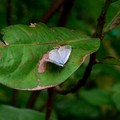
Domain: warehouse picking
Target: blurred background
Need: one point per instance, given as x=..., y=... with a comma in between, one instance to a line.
x=100, y=98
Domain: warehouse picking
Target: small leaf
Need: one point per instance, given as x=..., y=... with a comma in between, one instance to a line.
x=113, y=15
x=115, y=23
x=110, y=60
x=19, y=60
x=11, y=113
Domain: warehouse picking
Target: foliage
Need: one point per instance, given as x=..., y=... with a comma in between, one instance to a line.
x=92, y=29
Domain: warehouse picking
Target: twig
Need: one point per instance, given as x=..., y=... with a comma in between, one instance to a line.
x=32, y=100
x=92, y=61
x=51, y=95
x=67, y=7
x=101, y=20
x=53, y=8
x=9, y=12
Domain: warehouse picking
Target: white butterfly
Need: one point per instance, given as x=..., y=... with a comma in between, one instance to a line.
x=60, y=55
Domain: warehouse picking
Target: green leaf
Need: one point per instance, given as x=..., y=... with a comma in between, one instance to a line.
x=111, y=61
x=11, y=113
x=113, y=16
x=96, y=97
x=27, y=45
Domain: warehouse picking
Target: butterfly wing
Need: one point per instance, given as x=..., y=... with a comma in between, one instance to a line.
x=64, y=53
x=54, y=56
x=60, y=55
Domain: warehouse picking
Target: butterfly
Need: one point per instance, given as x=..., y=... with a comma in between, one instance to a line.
x=60, y=55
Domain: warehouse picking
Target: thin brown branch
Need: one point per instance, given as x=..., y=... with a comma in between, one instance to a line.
x=92, y=61
x=53, y=8
x=51, y=95
x=33, y=98
x=101, y=20
x=67, y=7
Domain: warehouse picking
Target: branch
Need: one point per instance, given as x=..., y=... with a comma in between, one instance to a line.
x=101, y=20
x=51, y=95
x=53, y=8
x=92, y=61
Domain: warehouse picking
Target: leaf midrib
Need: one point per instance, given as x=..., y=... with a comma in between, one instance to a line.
x=55, y=42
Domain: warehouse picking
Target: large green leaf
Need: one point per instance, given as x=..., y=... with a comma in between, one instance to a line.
x=11, y=113
x=19, y=60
